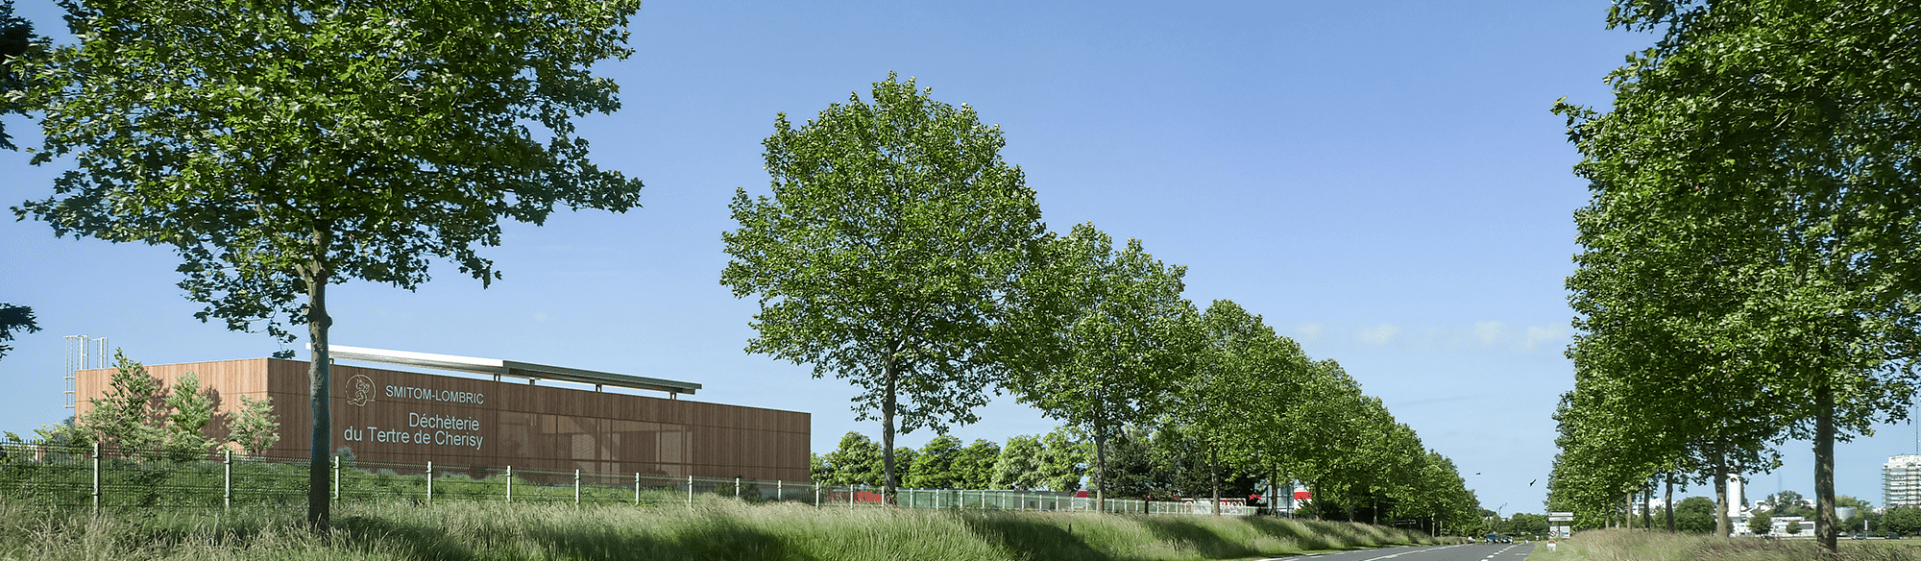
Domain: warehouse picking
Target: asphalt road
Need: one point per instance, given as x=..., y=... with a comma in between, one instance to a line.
x=1473, y=552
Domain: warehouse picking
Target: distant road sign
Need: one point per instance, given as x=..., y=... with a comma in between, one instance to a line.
x=1560, y=517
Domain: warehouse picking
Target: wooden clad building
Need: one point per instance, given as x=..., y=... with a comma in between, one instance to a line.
x=408, y=417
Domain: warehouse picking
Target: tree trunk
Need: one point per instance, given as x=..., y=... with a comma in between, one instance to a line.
x=1214, y=476
x=1669, y=501
x=1826, y=528
x=1647, y=511
x=890, y=375
x=1314, y=498
x=1273, y=493
x=1722, y=526
x=317, y=275
x=1100, y=464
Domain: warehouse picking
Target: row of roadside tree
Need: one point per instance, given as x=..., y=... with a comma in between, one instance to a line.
x=1751, y=252
x=897, y=250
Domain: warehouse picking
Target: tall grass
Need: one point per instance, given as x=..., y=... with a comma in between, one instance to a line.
x=713, y=528
x=1641, y=545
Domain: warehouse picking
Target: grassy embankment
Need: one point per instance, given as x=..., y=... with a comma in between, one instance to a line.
x=713, y=529
x=1640, y=545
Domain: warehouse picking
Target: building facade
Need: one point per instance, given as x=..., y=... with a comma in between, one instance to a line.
x=1901, y=481
x=382, y=415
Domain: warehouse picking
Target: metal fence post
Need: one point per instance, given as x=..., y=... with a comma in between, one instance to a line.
x=226, y=491
x=816, y=494
x=96, y=479
x=690, y=491
x=430, y=482
x=510, y=484
x=636, y=488
x=576, y=488
x=780, y=494
x=336, y=478
x=737, y=487
x=850, y=497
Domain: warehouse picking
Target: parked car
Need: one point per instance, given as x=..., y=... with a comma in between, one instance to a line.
x=1892, y=536
x=1860, y=536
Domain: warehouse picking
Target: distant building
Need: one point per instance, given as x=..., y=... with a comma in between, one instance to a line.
x=1901, y=481
x=1806, y=526
x=391, y=416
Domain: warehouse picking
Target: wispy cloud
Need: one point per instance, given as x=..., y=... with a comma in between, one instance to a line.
x=1378, y=336
x=1488, y=331
x=1542, y=335
x=1309, y=333
x=1478, y=336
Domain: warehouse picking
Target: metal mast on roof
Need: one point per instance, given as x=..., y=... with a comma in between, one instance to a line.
x=83, y=353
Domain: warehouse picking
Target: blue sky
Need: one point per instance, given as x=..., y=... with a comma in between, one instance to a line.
x=1380, y=180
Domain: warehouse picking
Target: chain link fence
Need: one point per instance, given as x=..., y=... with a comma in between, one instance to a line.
x=97, y=479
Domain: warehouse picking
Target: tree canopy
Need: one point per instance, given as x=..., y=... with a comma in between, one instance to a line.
x=1108, y=336
x=281, y=149
x=886, y=253
x=1752, y=231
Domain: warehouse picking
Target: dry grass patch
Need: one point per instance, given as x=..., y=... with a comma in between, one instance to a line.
x=711, y=529
x=1640, y=545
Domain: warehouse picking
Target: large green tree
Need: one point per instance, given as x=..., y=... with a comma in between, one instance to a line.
x=1443, y=496
x=1806, y=164
x=974, y=465
x=855, y=462
x=280, y=149
x=935, y=465
x=1064, y=459
x=1235, y=365
x=1108, y=335
x=1695, y=515
x=886, y=254
x=1653, y=304
x=1137, y=467
x=1019, y=465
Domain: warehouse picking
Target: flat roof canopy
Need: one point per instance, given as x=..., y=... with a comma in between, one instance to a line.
x=498, y=368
